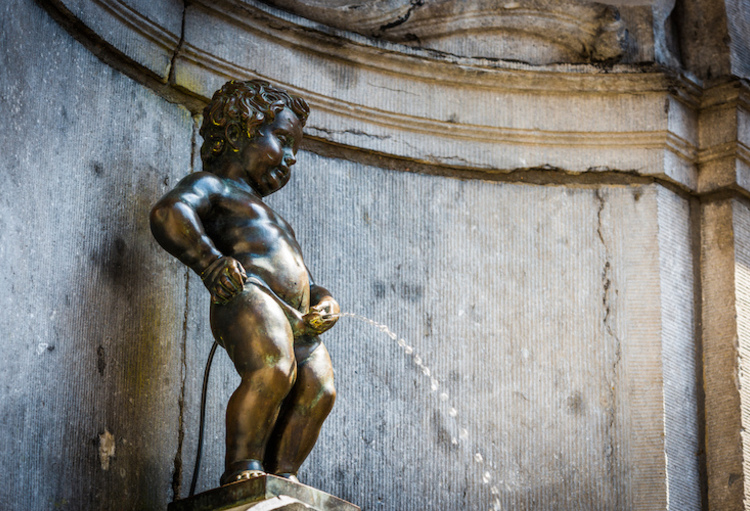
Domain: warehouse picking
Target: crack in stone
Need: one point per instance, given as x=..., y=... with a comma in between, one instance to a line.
x=392, y=90
x=446, y=159
x=194, y=147
x=349, y=132
x=607, y=321
x=171, y=71
x=402, y=19
x=178, y=465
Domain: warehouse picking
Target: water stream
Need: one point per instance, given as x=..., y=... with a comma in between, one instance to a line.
x=435, y=386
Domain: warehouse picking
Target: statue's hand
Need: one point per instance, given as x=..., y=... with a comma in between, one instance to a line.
x=224, y=279
x=322, y=316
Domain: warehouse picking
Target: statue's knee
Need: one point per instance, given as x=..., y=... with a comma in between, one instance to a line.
x=279, y=377
x=326, y=397
x=284, y=373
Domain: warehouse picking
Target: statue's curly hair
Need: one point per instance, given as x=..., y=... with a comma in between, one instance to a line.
x=241, y=108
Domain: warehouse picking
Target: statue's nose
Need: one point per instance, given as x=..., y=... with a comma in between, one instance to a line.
x=289, y=159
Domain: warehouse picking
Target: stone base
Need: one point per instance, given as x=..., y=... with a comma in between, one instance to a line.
x=265, y=493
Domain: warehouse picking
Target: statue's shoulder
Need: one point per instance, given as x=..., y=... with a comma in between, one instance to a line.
x=204, y=182
x=200, y=177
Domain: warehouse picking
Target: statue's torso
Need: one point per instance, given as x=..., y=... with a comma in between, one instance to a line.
x=243, y=227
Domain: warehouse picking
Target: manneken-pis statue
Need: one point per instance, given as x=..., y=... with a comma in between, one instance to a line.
x=266, y=311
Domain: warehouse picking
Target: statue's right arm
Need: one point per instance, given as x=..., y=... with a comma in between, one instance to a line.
x=177, y=226
x=176, y=221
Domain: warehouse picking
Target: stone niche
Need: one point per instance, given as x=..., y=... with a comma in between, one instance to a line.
x=545, y=203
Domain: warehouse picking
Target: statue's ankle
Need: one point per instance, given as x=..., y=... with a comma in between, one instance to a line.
x=241, y=470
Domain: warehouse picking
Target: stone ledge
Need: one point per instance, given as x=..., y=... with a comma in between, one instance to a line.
x=264, y=493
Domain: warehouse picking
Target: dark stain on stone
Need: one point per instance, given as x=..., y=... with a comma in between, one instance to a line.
x=140, y=111
x=113, y=261
x=120, y=246
x=98, y=169
x=443, y=439
x=367, y=436
x=412, y=292
x=101, y=363
x=378, y=288
x=733, y=478
x=119, y=259
x=575, y=403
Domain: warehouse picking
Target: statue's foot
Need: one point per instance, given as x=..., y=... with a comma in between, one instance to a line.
x=288, y=475
x=242, y=470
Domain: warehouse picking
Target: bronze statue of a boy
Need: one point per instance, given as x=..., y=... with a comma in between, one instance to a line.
x=265, y=309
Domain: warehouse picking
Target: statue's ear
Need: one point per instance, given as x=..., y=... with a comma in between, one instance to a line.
x=233, y=134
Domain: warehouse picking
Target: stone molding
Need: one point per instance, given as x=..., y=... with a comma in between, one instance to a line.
x=402, y=123
x=724, y=156
x=637, y=120
x=649, y=117
x=146, y=37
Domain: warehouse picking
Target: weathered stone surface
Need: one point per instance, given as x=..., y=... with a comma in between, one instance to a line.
x=496, y=115
x=558, y=320
x=90, y=379
x=146, y=31
x=565, y=354
x=276, y=504
x=725, y=250
x=705, y=38
x=738, y=21
x=680, y=363
x=535, y=31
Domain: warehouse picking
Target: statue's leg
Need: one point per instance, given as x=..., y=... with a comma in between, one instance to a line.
x=304, y=409
x=256, y=334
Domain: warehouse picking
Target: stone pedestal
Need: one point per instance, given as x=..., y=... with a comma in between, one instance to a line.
x=264, y=493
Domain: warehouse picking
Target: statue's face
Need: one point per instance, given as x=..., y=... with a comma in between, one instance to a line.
x=267, y=158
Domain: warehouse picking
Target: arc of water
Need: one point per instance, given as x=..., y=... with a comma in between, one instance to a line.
x=487, y=475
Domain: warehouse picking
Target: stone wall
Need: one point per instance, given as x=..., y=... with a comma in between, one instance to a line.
x=558, y=248
x=91, y=344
